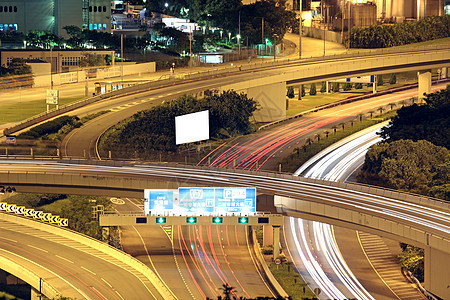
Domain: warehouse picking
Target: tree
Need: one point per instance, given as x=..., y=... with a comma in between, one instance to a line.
x=335, y=87
x=429, y=122
x=412, y=259
x=358, y=85
x=290, y=92
x=380, y=81
x=392, y=105
x=303, y=91
x=393, y=79
x=312, y=90
x=323, y=89
x=347, y=86
x=405, y=165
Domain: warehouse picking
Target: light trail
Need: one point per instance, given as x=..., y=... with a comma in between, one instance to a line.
x=332, y=166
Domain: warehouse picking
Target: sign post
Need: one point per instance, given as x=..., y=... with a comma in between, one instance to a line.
x=52, y=98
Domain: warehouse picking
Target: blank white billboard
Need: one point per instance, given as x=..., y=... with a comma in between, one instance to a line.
x=192, y=127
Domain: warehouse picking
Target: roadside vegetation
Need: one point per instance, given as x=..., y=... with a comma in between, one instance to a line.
x=149, y=134
x=77, y=209
x=383, y=36
x=45, y=139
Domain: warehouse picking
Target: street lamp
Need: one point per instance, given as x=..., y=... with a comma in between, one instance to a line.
x=239, y=44
x=275, y=36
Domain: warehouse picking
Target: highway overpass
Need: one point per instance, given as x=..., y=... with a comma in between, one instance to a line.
x=417, y=220
x=266, y=82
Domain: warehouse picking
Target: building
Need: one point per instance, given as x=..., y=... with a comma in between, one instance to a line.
x=61, y=60
x=52, y=16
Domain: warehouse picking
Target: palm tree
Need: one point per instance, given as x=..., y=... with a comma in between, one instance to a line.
x=309, y=141
x=392, y=105
x=342, y=124
x=327, y=133
x=371, y=113
x=380, y=109
x=317, y=136
x=334, y=127
x=403, y=103
x=360, y=115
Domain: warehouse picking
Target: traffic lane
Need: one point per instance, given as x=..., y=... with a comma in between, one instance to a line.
x=92, y=276
x=360, y=266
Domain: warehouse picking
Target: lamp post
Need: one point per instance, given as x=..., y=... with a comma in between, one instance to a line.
x=239, y=35
x=275, y=36
x=300, y=32
x=349, y=23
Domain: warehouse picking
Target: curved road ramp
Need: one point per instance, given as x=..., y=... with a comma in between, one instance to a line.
x=61, y=263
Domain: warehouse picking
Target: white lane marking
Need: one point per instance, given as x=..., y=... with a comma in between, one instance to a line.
x=43, y=250
x=63, y=258
x=86, y=269
x=106, y=282
x=3, y=238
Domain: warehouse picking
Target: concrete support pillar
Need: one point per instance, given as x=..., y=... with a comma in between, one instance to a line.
x=3, y=275
x=276, y=242
x=424, y=83
x=267, y=235
x=437, y=272
x=328, y=87
x=300, y=92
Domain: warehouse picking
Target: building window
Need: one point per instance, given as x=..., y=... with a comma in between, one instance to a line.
x=95, y=26
x=1, y=27
x=10, y=9
x=95, y=8
x=90, y=26
x=99, y=9
x=99, y=26
x=104, y=8
x=16, y=27
x=90, y=8
x=1, y=8
x=104, y=26
x=5, y=9
x=6, y=27
x=15, y=8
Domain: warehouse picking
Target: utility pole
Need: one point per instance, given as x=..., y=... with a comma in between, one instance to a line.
x=300, y=32
x=239, y=35
x=121, y=55
x=349, y=25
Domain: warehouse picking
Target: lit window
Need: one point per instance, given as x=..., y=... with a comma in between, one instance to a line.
x=1, y=27
x=99, y=26
x=90, y=26
x=6, y=26
x=15, y=27
x=104, y=26
x=11, y=27
x=95, y=26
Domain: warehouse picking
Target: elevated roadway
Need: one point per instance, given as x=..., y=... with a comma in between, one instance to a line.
x=61, y=263
x=413, y=219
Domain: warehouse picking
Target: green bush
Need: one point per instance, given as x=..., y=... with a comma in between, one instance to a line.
x=383, y=36
x=290, y=92
x=393, y=79
x=50, y=127
x=323, y=89
x=380, y=81
x=335, y=87
x=358, y=85
x=312, y=90
x=303, y=91
x=347, y=86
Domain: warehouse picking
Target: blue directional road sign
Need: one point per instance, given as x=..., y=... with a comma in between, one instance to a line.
x=159, y=200
x=235, y=200
x=196, y=200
